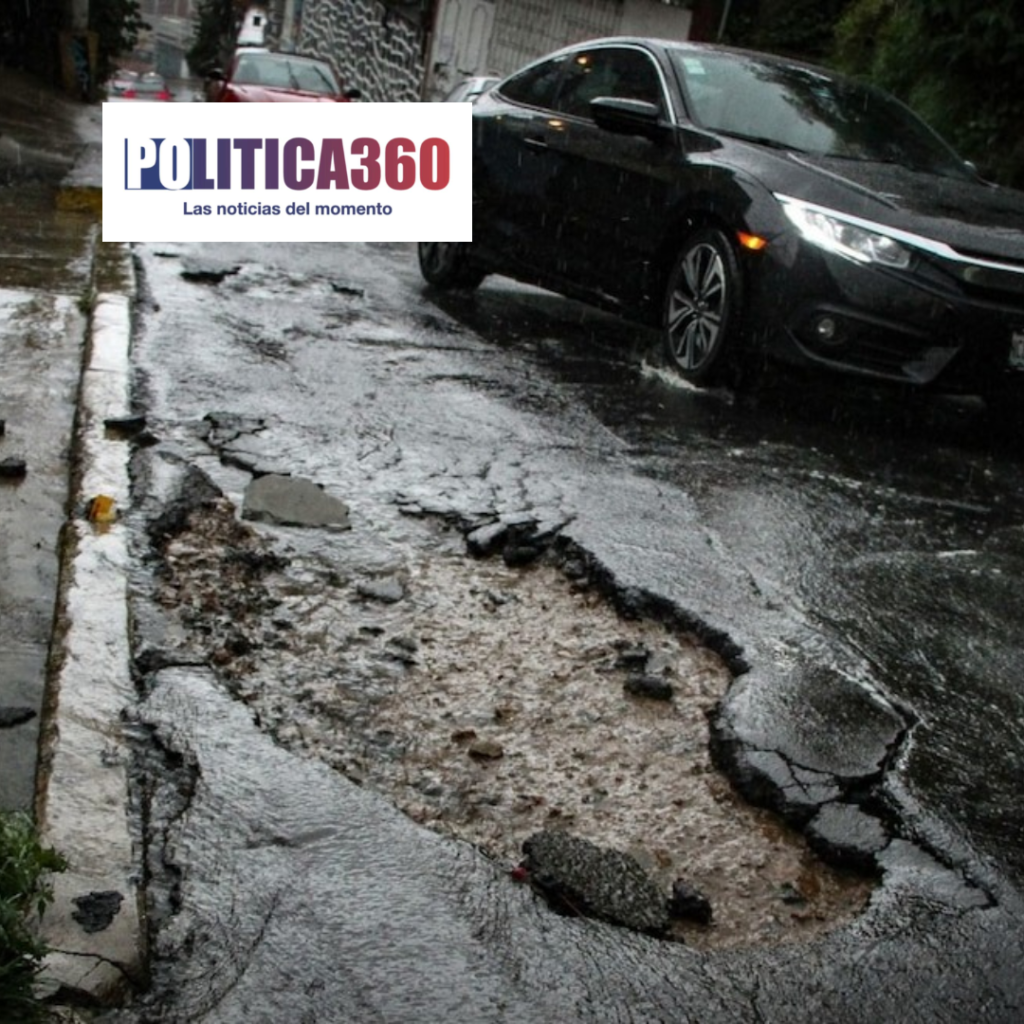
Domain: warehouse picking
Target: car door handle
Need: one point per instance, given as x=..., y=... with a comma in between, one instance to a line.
x=538, y=145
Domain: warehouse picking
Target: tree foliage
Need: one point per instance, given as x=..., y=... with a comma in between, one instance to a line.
x=795, y=28
x=960, y=64
x=216, y=26
x=117, y=24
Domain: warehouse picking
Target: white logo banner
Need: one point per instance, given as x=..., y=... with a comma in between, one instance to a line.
x=287, y=172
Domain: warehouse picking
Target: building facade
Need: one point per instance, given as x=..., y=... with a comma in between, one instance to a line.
x=164, y=46
x=401, y=50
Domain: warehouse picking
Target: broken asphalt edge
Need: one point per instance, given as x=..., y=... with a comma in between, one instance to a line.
x=94, y=927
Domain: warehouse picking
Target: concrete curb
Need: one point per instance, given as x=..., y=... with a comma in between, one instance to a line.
x=94, y=926
x=81, y=190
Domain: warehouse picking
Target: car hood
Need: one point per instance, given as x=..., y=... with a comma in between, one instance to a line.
x=267, y=94
x=973, y=216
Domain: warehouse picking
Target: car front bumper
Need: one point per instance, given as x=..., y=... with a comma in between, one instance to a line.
x=936, y=324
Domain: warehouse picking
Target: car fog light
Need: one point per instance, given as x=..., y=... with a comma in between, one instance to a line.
x=826, y=330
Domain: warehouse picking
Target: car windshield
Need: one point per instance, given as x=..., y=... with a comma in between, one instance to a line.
x=278, y=72
x=794, y=107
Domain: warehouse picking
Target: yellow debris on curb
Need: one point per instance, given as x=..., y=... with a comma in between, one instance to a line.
x=80, y=199
x=102, y=509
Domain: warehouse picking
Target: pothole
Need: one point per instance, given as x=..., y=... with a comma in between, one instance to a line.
x=489, y=703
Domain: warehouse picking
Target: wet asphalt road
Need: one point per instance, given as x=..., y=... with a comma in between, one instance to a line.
x=46, y=258
x=859, y=548
x=877, y=532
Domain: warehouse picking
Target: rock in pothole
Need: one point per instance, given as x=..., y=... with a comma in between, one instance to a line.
x=650, y=686
x=847, y=835
x=486, y=540
x=579, y=878
x=486, y=750
x=293, y=501
x=387, y=591
x=689, y=904
x=207, y=271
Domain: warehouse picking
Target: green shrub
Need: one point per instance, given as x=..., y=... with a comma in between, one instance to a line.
x=25, y=866
x=117, y=24
x=960, y=65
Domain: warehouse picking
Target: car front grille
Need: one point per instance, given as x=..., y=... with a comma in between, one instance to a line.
x=989, y=278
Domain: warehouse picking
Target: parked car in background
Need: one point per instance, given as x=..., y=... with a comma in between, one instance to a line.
x=259, y=76
x=121, y=80
x=469, y=90
x=746, y=205
x=146, y=87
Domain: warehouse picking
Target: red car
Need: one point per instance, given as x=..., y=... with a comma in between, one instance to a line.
x=129, y=85
x=257, y=76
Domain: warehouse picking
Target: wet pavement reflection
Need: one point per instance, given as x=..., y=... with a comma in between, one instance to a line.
x=45, y=265
x=849, y=555
x=887, y=520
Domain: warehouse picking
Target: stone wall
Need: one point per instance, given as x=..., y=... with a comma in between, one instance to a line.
x=383, y=54
x=379, y=54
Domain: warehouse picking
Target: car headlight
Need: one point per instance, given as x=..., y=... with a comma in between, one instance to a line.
x=845, y=236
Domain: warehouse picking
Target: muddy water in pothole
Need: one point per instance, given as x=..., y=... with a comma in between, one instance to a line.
x=488, y=702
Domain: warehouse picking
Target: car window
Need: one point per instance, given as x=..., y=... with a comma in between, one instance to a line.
x=625, y=73
x=247, y=71
x=153, y=85
x=478, y=87
x=808, y=110
x=458, y=93
x=313, y=78
x=282, y=73
x=536, y=86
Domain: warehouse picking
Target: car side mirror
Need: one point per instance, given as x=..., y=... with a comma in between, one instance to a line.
x=627, y=117
x=983, y=174
x=352, y=94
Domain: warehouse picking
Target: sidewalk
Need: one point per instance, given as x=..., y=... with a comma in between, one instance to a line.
x=65, y=308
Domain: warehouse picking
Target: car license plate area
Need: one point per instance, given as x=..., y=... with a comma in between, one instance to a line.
x=1017, y=350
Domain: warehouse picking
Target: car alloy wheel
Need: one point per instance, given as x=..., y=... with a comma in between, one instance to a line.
x=701, y=306
x=447, y=265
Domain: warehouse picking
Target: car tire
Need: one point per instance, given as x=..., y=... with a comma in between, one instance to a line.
x=447, y=265
x=703, y=304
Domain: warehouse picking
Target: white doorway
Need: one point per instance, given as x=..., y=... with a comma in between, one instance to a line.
x=462, y=38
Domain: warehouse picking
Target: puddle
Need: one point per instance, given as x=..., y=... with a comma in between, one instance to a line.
x=489, y=702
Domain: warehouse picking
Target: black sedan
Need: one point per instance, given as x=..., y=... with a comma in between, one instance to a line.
x=748, y=205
